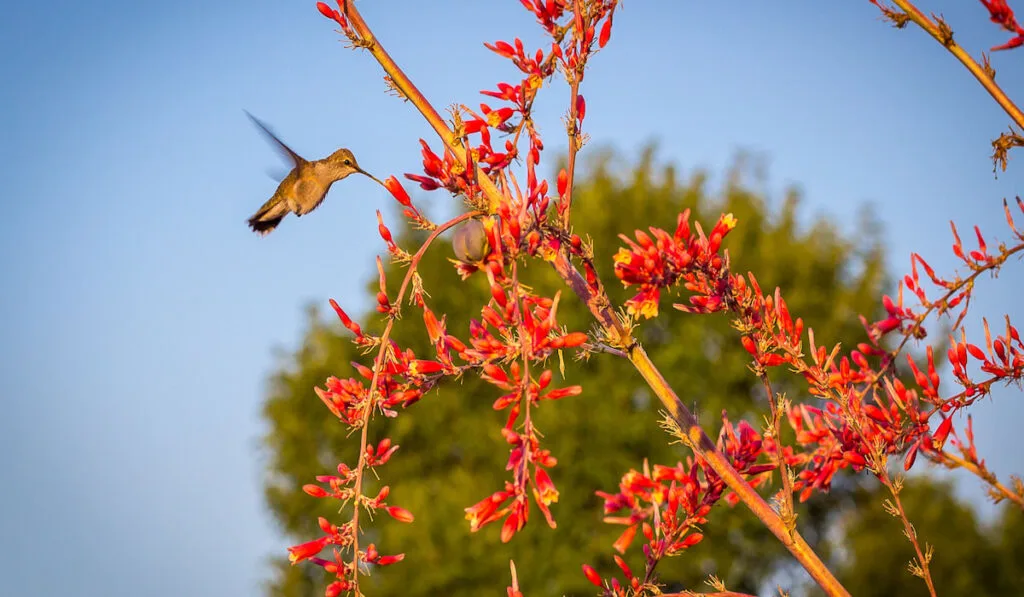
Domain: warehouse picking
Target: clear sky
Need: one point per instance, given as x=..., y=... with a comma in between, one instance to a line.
x=139, y=314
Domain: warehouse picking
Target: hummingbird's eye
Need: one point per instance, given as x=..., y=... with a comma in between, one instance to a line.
x=347, y=162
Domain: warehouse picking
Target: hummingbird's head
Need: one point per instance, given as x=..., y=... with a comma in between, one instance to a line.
x=343, y=163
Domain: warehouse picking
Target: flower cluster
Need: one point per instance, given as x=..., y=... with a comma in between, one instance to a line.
x=344, y=487
x=1001, y=14
x=664, y=261
x=668, y=504
x=870, y=413
x=517, y=331
x=864, y=411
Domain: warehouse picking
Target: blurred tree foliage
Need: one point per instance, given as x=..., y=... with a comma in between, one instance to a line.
x=970, y=558
x=452, y=453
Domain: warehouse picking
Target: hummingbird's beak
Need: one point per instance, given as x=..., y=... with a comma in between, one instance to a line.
x=375, y=179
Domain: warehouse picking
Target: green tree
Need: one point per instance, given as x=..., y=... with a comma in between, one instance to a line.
x=970, y=557
x=453, y=455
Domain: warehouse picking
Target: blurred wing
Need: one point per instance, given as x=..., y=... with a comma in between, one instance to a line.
x=278, y=174
x=286, y=151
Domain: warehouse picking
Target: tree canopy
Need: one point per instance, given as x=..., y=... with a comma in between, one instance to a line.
x=971, y=557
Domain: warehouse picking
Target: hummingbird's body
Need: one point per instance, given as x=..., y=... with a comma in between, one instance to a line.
x=305, y=187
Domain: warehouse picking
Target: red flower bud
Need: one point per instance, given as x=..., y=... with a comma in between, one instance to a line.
x=564, y=392
x=345, y=320
x=573, y=339
x=622, y=564
x=592, y=575
x=544, y=379
x=315, y=490
x=749, y=345
x=326, y=526
x=939, y=438
x=510, y=527
x=606, y=33
x=400, y=514
x=911, y=456
x=327, y=11
x=499, y=295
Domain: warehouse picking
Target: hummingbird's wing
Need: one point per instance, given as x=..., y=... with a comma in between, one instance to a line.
x=284, y=149
x=278, y=174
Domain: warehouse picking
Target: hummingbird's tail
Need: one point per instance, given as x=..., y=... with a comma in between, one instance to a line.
x=264, y=227
x=268, y=216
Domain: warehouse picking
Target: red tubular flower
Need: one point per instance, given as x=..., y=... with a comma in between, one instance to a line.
x=563, y=392
x=388, y=560
x=420, y=367
x=315, y=491
x=546, y=491
x=432, y=325
x=304, y=551
x=382, y=495
x=397, y=191
x=345, y=320
x=606, y=33
x=496, y=375
x=496, y=118
x=487, y=510
x=400, y=514
x=908, y=460
x=623, y=566
x=573, y=339
x=426, y=183
x=385, y=450
x=501, y=48
x=592, y=576
x=625, y=539
x=1001, y=14
x=1015, y=42
x=383, y=230
x=939, y=438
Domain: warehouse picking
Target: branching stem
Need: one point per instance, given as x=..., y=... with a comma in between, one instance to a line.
x=378, y=366
x=696, y=438
x=933, y=29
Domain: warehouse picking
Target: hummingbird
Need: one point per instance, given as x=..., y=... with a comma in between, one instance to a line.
x=305, y=186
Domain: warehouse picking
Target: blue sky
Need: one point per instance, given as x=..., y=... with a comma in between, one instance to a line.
x=140, y=314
